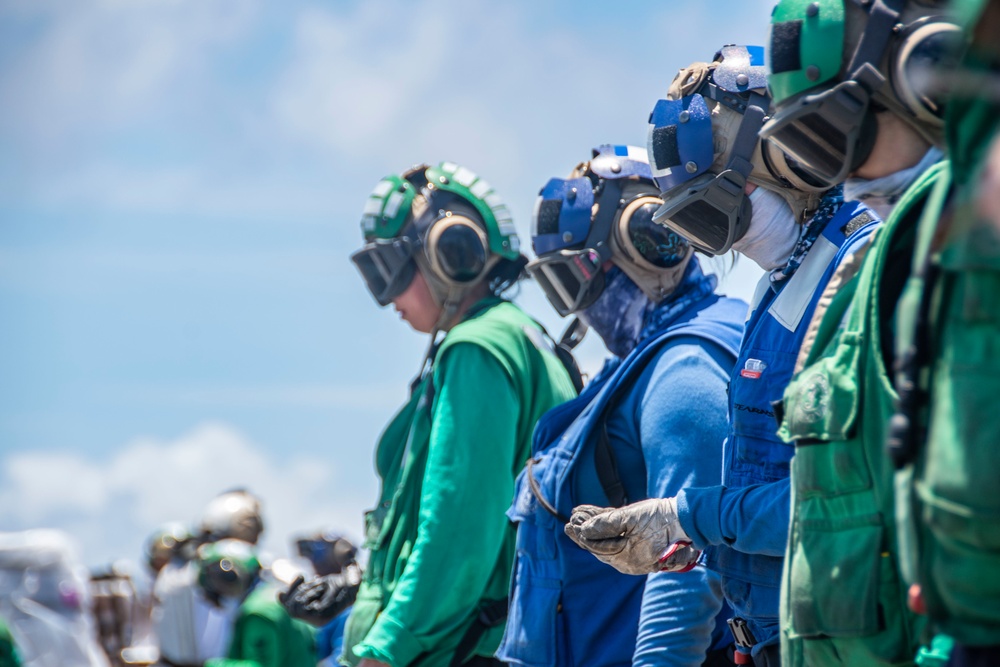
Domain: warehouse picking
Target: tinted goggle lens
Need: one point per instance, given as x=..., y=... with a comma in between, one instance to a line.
x=711, y=214
x=823, y=131
x=571, y=280
x=387, y=267
x=704, y=225
x=816, y=145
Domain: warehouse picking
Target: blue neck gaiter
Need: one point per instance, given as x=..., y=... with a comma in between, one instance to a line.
x=618, y=313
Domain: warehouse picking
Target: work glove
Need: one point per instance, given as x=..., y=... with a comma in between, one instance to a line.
x=636, y=539
x=322, y=599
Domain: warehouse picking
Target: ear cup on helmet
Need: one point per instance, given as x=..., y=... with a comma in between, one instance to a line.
x=646, y=243
x=458, y=249
x=924, y=47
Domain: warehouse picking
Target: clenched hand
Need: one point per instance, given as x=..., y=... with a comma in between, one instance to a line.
x=636, y=539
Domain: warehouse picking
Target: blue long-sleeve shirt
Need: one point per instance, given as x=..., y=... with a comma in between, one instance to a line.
x=732, y=516
x=667, y=433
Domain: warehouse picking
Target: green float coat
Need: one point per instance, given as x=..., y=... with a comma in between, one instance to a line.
x=950, y=517
x=842, y=599
x=439, y=538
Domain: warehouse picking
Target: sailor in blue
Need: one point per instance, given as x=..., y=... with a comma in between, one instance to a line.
x=650, y=423
x=745, y=201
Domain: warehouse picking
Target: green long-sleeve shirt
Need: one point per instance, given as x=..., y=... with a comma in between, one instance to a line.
x=439, y=538
x=264, y=635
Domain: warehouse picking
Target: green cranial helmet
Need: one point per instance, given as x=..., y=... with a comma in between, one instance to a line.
x=444, y=220
x=388, y=208
x=466, y=184
x=807, y=46
x=834, y=63
x=227, y=568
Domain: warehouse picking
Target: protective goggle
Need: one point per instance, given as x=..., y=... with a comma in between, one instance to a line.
x=387, y=267
x=572, y=279
x=710, y=210
x=317, y=550
x=712, y=213
x=829, y=133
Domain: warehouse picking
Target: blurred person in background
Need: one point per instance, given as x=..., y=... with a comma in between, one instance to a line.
x=116, y=610
x=263, y=634
x=170, y=544
x=441, y=247
x=191, y=629
x=331, y=557
x=651, y=422
x=44, y=599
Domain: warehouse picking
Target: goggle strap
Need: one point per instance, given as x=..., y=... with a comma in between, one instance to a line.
x=882, y=17
x=746, y=136
x=868, y=77
x=607, y=207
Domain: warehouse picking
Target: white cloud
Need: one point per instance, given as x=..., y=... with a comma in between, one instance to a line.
x=111, y=505
x=97, y=65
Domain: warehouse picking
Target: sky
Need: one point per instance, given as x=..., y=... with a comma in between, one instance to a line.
x=181, y=183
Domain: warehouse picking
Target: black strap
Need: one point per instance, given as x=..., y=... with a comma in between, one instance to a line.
x=537, y=491
x=605, y=463
x=491, y=614
x=721, y=657
x=607, y=466
x=608, y=202
x=570, y=338
x=906, y=433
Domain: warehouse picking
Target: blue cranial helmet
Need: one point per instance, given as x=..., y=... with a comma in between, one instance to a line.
x=704, y=150
x=602, y=213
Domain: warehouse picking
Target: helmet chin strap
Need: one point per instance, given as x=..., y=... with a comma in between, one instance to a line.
x=449, y=309
x=449, y=296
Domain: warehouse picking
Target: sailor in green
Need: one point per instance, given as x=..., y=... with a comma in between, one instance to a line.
x=8, y=651
x=264, y=635
x=843, y=602
x=441, y=248
x=949, y=510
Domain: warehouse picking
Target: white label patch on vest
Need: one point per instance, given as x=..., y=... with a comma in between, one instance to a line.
x=789, y=306
x=753, y=369
x=538, y=339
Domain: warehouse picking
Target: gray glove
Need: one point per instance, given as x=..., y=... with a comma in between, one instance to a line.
x=637, y=539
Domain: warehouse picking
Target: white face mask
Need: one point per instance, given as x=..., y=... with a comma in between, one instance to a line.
x=773, y=232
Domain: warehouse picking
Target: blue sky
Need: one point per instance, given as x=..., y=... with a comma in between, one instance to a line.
x=180, y=187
